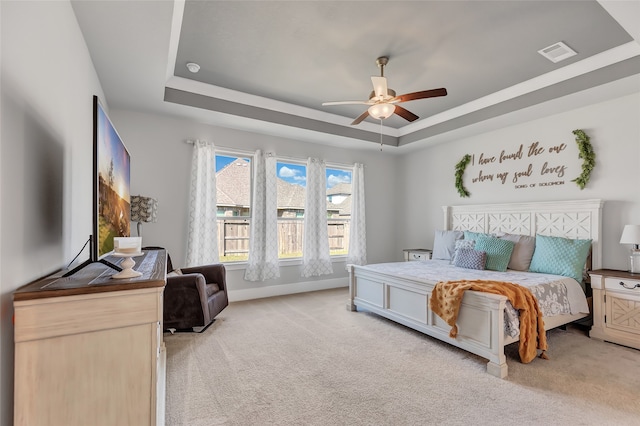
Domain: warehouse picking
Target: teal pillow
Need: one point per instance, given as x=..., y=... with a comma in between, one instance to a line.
x=560, y=256
x=498, y=252
x=468, y=235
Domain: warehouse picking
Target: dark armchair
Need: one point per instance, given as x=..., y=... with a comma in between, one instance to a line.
x=194, y=297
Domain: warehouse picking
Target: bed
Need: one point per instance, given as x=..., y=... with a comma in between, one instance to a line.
x=400, y=292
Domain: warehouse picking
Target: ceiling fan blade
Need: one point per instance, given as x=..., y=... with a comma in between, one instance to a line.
x=421, y=95
x=348, y=103
x=407, y=115
x=379, y=86
x=362, y=117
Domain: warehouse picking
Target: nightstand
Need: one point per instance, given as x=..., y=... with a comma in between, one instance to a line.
x=417, y=254
x=616, y=307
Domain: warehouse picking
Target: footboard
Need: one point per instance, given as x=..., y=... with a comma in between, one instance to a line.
x=406, y=301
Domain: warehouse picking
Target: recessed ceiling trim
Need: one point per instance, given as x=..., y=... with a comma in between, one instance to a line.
x=597, y=61
x=175, y=82
x=591, y=95
x=174, y=37
x=234, y=96
x=626, y=13
x=201, y=101
x=601, y=60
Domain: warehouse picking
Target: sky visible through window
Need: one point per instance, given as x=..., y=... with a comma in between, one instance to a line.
x=294, y=173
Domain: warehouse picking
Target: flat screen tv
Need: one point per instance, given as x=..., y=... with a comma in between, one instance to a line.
x=111, y=182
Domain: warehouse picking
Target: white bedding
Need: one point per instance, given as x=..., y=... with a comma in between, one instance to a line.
x=433, y=271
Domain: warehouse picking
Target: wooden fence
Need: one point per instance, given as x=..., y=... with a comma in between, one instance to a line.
x=233, y=237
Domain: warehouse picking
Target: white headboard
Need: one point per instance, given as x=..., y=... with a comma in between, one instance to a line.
x=570, y=219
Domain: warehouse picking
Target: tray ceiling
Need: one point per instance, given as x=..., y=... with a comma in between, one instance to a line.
x=269, y=65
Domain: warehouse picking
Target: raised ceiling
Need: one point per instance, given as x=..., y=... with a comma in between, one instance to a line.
x=269, y=65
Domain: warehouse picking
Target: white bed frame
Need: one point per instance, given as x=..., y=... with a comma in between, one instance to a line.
x=481, y=318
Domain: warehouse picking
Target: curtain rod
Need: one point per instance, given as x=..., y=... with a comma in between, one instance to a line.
x=279, y=157
x=235, y=151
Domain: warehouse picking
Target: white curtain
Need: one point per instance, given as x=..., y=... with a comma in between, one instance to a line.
x=202, y=243
x=263, y=241
x=316, y=258
x=358, y=232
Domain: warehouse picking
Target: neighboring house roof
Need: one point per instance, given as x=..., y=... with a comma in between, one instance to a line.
x=340, y=189
x=345, y=207
x=233, y=184
x=233, y=189
x=290, y=196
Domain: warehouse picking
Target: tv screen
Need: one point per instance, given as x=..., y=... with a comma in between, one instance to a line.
x=112, y=201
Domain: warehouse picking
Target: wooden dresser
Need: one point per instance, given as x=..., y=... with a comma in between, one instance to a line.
x=89, y=349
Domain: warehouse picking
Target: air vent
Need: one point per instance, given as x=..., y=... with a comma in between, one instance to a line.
x=557, y=52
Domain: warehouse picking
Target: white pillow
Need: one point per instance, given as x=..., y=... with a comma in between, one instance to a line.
x=444, y=244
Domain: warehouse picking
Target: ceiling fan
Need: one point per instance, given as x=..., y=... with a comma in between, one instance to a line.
x=384, y=102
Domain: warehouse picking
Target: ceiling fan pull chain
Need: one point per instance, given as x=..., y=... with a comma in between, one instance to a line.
x=380, y=135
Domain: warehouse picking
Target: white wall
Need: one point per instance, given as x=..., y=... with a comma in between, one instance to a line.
x=161, y=164
x=614, y=128
x=47, y=83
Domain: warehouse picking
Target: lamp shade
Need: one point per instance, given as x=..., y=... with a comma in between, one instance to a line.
x=143, y=209
x=630, y=235
x=381, y=111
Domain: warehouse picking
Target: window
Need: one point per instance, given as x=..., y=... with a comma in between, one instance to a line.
x=292, y=178
x=233, y=192
x=233, y=203
x=292, y=181
x=338, y=209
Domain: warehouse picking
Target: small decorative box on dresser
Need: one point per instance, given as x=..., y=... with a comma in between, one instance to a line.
x=89, y=349
x=616, y=307
x=416, y=254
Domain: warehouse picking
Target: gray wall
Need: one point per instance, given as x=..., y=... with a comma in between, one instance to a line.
x=614, y=128
x=161, y=164
x=47, y=81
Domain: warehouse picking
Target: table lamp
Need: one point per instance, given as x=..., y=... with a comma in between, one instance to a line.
x=631, y=235
x=143, y=209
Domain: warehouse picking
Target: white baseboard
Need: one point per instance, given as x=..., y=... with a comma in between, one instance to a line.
x=282, y=289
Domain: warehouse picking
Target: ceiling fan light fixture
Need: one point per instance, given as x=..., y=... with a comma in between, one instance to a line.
x=381, y=111
x=383, y=100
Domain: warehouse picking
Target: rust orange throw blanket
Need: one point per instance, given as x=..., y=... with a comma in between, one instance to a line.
x=446, y=299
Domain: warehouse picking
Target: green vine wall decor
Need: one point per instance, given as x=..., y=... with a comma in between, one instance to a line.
x=588, y=158
x=459, y=173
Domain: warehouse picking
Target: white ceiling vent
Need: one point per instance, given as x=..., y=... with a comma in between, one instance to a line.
x=557, y=52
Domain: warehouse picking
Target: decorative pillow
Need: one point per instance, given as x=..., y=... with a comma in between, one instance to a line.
x=468, y=235
x=470, y=258
x=462, y=244
x=522, y=251
x=560, y=256
x=498, y=252
x=444, y=244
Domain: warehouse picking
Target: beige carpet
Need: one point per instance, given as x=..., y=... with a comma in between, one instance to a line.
x=305, y=360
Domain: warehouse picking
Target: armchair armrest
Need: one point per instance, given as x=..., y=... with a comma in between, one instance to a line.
x=212, y=274
x=182, y=290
